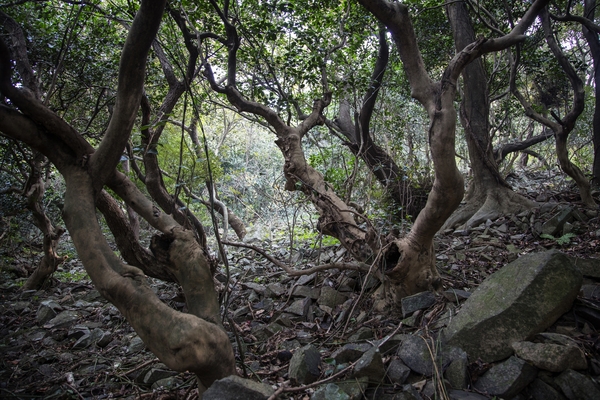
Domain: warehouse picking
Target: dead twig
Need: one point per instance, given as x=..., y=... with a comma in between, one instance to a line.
x=294, y=272
x=141, y=366
x=283, y=388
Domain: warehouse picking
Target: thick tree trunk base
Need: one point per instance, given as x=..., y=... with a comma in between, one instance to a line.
x=491, y=205
x=410, y=268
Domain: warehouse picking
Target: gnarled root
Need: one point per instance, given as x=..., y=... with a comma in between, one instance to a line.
x=493, y=204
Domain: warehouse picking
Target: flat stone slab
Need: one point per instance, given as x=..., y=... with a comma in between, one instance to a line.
x=350, y=352
x=518, y=301
x=330, y=297
x=419, y=301
x=63, y=320
x=540, y=390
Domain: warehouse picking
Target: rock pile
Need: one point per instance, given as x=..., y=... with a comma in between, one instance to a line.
x=505, y=340
x=529, y=331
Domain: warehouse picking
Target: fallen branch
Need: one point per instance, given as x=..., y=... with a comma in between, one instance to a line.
x=356, y=266
x=317, y=383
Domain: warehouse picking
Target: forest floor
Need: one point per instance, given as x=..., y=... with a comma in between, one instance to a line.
x=94, y=353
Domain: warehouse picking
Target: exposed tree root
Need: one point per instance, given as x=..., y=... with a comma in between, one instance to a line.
x=491, y=205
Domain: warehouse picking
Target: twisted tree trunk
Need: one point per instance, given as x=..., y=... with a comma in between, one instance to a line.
x=34, y=191
x=194, y=341
x=411, y=260
x=488, y=195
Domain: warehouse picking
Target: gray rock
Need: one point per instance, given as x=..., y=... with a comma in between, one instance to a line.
x=306, y=279
x=462, y=395
x=390, y=344
x=157, y=373
x=416, y=353
x=556, y=338
x=167, y=383
x=104, y=340
x=304, y=365
x=306, y=291
x=556, y=223
x=20, y=306
x=408, y=393
x=330, y=391
x=363, y=333
x=540, y=390
x=275, y=290
x=257, y=287
x=429, y=390
x=457, y=373
x=83, y=342
x=299, y=307
x=63, y=320
x=350, y=352
x=419, y=301
x=36, y=335
x=330, y=297
x=518, y=301
x=304, y=337
x=284, y=320
x=47, y=310
x=551, y=357
x=370, y=365
x=92, y=295
x=66, y=357
x=78, y=331
x=506, y=379
x=410, y=321
x=591, y=291
x=576, y=386
x=444, y=319
x=397, y=372
x=236, y=388
x=136, y=345
x=264, y=304
x=263, y=332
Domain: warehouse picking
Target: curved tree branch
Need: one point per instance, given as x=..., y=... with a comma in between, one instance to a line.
x=129, y=90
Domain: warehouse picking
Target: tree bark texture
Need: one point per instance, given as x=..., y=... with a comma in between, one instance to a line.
x=194, y=341
x=488, y=195
x=411, y=260
x=591, y=37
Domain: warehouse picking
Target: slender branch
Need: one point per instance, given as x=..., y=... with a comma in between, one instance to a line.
x=294, y=272
x=129, y=90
